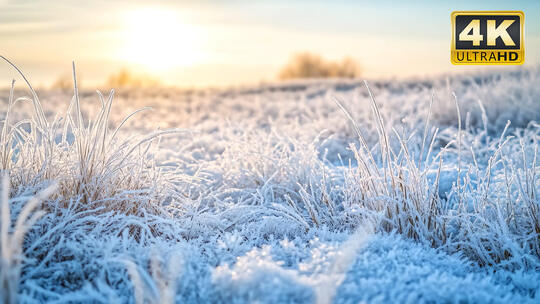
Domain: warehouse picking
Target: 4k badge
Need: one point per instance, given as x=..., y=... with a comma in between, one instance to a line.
x=487, y=37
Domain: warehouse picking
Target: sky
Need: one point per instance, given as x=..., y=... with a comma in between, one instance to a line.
x=224, y=43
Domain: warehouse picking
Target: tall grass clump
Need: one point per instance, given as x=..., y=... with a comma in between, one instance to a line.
x=490, y=214
x=94, y=172
x=85, y=156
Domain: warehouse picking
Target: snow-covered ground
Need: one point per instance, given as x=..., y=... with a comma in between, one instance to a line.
x=308, y=191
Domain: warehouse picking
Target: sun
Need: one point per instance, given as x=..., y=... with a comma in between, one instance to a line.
x=158, y=39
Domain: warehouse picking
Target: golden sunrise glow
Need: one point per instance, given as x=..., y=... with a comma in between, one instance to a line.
x=223, y=43
x=158, y=39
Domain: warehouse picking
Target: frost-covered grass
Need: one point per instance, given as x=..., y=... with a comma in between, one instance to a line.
x=310, y=191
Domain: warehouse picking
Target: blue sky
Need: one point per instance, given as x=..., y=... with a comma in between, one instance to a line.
x=235, y=42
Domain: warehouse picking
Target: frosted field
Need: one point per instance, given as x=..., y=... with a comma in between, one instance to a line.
x=309, y=192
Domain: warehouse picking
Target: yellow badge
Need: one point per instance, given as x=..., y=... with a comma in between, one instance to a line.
x=487, y=37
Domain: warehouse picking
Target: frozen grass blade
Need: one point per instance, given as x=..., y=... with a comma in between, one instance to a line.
x=11, y=239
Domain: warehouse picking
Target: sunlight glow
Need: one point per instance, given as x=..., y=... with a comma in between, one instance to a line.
x=157, y=39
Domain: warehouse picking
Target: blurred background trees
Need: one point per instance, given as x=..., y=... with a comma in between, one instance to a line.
x=308, y=65
x=126, y=78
